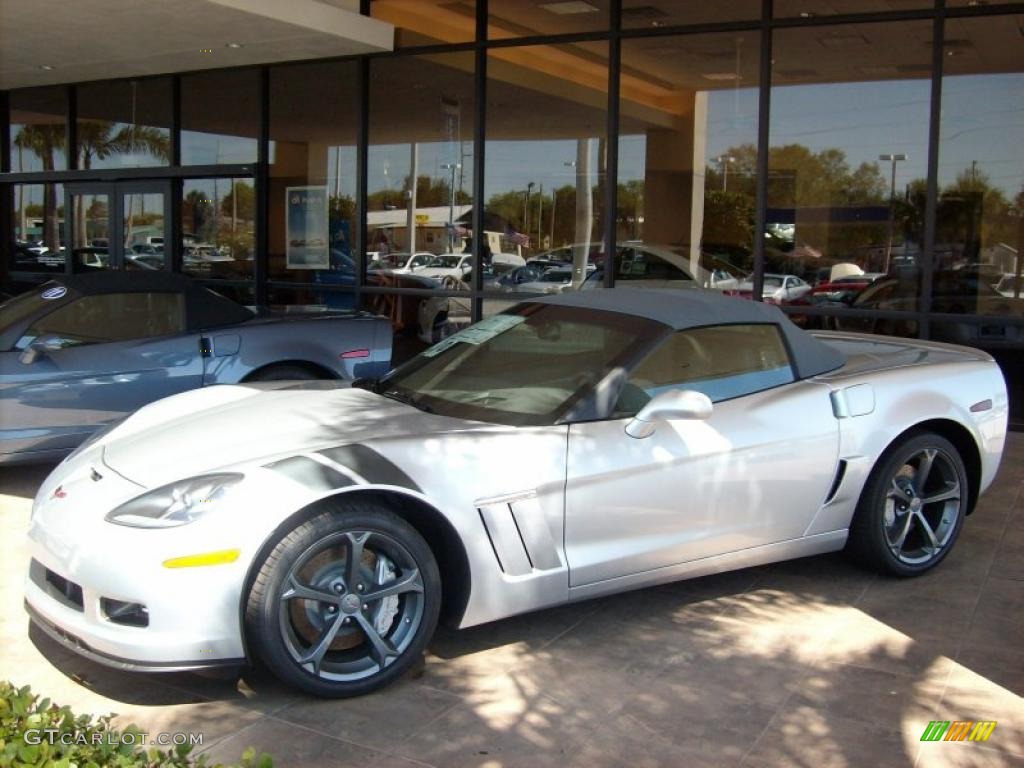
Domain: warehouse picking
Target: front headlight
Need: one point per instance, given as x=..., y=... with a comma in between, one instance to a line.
x=175, y=504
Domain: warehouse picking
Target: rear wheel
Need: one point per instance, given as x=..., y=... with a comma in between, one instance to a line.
x=912, y=507
x=345, y=603
x=284, y=373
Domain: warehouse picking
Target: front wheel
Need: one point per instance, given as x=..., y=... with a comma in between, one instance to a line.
x=345, y=602
x=912, y=507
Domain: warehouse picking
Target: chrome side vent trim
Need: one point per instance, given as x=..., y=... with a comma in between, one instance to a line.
x=838, y=481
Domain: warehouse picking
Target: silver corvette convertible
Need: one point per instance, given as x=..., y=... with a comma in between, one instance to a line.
x=570, y=447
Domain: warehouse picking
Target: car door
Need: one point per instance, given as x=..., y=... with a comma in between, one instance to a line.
x=753, y=474
x=107, y=355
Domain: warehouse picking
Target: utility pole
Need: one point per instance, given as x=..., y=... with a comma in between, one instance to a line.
x=526, y=208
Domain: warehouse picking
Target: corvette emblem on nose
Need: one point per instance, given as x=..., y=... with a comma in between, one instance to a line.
x=58, y=492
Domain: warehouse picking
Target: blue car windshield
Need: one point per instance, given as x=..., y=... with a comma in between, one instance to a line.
x=527, y=366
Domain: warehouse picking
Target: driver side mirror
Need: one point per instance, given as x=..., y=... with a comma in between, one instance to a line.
x=41, y=346
x=668, y=406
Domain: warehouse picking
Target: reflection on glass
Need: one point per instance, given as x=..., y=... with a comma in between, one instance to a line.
x=979, y=234
x=217, y=228
x=38, y=129
x=407, y=222
x=687, y=149
x=124, y=124
x=219, y=117
x=239, y=293
x=305, y=300
x=91, y=227
x=143, y=229
x=520, y=18
x=848, y=167
x=546, y=149
x=638, y=14
x=427, y=22
x=312, y=203
x=38, y=228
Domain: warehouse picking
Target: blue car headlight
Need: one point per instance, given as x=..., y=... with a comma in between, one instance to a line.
x=176, y=504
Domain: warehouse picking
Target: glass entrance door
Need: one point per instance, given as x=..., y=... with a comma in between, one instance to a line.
x=120, y=225
x=92, y=226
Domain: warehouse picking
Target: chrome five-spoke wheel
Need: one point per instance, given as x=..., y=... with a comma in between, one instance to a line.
x=345, y=602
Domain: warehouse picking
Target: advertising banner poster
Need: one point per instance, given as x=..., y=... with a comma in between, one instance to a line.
x=307, y=232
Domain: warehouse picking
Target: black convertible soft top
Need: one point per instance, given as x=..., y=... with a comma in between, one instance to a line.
x=203, y=307
x=683, y=308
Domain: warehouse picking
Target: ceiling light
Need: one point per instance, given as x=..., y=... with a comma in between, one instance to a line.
x=843, y=42
x=234, y=45
x=46, y=67
x=720, y=76
x=569, y=8
x=806, y=15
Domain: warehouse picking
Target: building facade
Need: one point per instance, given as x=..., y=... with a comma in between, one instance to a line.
x=300, y=156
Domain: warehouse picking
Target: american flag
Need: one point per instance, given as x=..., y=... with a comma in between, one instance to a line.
x=457, y=229
x=517, y=238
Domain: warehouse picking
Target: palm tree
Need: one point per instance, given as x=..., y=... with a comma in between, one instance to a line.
x=42, y=140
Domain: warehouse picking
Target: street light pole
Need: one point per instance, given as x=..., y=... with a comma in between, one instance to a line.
x=723, y=161
x=891, y=158
x=453, y=167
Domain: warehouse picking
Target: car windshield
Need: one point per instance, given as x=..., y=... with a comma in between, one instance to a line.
x=527, y=366
x=448, y=262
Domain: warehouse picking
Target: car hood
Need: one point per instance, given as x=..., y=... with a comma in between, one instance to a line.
x=208, y=429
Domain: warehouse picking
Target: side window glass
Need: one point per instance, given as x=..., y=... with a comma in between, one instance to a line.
x=111, y=317
x=723, y=362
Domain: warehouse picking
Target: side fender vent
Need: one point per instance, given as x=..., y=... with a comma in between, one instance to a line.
x=838, y=481
x=520, y=537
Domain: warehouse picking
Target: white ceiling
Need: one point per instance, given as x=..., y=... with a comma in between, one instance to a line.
x=97, y=39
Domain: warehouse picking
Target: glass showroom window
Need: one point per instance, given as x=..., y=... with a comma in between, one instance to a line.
x=124, y=124
x=314, y=117
x=687, y=148
x=38, y=129
x=545, y=175
x=979, y=235
x=847, y=164
x=220, y=117
x=217, y=228
x=419, y=234
x=38, y=228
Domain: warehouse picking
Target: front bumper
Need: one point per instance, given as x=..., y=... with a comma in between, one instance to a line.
x=79, y=646
x=81, y=567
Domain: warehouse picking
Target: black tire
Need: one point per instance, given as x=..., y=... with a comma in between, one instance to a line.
x=278, y=621
x=901, y=529
x=284, y=373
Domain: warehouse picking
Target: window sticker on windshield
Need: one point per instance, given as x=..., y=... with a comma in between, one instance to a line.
x=55, y=292
x=478, y=333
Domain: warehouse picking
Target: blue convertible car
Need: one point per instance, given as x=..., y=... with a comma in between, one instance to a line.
x=82, y=351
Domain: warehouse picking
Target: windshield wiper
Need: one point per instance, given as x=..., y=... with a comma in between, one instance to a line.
x=407, y=399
